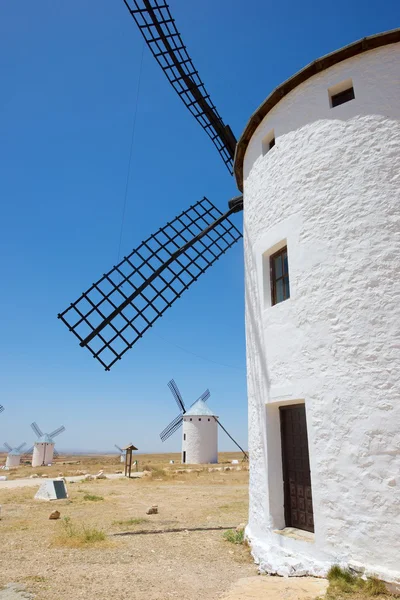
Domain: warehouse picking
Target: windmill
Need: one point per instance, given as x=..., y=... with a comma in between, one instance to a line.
x=43, y=450
x=117, y=310
x=14, y=454
x=200, y=429
x=121, y=452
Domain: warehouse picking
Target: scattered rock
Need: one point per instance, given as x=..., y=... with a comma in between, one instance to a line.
x=227, y=469
x=54, y=515
x=100, y=475
x=153, y=510
x=34, y=476
x=88, y=477
x=118, y=472
x=235, y=462
x=80, y=472
x=45, y=475
x=61, y=475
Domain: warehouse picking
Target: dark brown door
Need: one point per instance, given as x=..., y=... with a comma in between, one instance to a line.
x=296, y=468
x=184, y=456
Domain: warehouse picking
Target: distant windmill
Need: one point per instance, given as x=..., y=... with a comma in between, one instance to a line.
x=122, y=453
x=14, y=454
x=200, y=431
x=43, y=450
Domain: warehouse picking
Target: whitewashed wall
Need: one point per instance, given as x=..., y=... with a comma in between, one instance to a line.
x=330, y=189
x=201, y=443
x=13, y=460
x=42, y=452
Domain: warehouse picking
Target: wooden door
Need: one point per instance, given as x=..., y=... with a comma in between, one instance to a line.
x=296, y=468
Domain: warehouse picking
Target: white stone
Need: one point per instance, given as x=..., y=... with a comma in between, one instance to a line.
x=329, y=189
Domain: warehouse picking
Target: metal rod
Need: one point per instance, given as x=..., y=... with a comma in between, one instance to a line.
x=234, y=441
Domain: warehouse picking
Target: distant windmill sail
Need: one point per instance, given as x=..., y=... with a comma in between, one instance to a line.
x=177, y=422
x=116, y=311
x=1, y=408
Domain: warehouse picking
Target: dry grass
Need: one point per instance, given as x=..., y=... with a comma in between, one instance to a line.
x=78, y=536
x=54, y=562
x=346, y=585
x=129, y=522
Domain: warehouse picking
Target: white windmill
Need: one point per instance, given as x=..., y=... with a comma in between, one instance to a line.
x=200, y=429
x=43, y=450
x=121, y=452
x=14, y=454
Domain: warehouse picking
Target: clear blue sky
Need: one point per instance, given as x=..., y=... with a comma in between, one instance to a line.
x=69, y=74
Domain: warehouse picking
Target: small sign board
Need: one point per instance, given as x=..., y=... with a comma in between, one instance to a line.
x=52, y=489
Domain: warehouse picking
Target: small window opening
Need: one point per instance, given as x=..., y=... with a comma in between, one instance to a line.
x=184, y=436
x=279, y=270
x=208, y=419
x=268, y=142
x=199, y=419
x=190, y=419
x=341, y=93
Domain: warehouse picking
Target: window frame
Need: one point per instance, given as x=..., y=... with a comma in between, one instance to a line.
x=283, y=277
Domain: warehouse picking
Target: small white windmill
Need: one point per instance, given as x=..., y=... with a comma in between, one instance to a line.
x=14, y=454
x=43, y=450
x=122, y=453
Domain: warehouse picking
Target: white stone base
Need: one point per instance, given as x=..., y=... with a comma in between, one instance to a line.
x=293, y=558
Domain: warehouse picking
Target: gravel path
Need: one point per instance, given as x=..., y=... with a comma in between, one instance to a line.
x=28, y=482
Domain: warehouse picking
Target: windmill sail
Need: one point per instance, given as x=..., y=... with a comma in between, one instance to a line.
x=1, y=408
x=115, y=312
x=165, y=42
x=177, y=395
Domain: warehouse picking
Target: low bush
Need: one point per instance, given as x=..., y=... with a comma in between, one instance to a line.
x=234, y=536
x=77, y=536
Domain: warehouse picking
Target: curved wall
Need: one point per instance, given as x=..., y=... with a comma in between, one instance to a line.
x=42, y=453
x=329, y=189
x=200, y=439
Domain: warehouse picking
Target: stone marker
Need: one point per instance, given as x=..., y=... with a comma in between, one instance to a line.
x=53, y=489
x=54, y=515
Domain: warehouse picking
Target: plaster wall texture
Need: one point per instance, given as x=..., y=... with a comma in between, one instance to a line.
x=13, y=460
x=42, y=452
x=201, y=443
x=329, y=189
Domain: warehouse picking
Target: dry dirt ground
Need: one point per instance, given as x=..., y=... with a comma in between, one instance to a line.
x=194, y=563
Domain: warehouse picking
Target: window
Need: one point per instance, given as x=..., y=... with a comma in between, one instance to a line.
x=184, y=436
x=268, y=142
x=279, y=270
x=341, y=93
x=208, y=419
x=190, y=419
x=199, y=419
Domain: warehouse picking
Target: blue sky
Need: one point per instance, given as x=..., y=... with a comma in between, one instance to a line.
x=69, y=75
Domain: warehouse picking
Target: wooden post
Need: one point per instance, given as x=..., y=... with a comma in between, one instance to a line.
x=128, y=459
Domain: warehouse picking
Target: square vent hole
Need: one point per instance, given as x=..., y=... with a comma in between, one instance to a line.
x=268, y=142
x=341, y=93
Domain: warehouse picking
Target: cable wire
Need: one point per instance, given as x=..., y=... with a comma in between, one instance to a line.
x=130, y=154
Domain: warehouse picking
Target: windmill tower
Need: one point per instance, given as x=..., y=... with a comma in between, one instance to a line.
x=200, y=435
x=121, y=452
x=318, y=162
x=200, y=429
x=43, y=450
x=14, y=455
